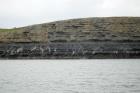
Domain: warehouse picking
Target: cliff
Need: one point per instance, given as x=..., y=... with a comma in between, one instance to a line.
x=86, y=29
x=99, y=37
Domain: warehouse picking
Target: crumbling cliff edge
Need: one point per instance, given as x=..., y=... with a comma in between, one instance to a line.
x=98, y=37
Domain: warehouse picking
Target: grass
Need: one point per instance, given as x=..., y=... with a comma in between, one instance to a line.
x=9, y=30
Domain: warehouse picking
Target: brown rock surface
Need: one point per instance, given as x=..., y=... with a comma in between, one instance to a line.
x=73, y=30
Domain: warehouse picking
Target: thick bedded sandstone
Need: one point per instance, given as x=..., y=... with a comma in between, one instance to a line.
x=94, y=29
x=86, y=29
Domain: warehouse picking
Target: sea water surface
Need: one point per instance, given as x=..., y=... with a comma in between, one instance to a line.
x=70, y=76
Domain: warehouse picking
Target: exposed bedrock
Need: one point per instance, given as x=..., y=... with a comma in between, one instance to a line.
x=99, y=37
x=86, y=29
x=71, y=50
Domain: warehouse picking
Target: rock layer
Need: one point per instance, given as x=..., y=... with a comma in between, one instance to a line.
x=105, y=37
x=83, y=50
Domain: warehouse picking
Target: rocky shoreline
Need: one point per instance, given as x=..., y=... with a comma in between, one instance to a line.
x=70, y=50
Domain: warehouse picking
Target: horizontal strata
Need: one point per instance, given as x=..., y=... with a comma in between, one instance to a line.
x=75, y=30
x=103, y=37
x=81, y=50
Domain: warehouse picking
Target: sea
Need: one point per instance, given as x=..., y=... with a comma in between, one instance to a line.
x=70, y=76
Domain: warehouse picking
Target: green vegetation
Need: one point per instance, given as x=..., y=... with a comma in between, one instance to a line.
x=9, y=30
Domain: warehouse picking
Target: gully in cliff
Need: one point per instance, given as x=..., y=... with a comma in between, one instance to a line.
x=86, y=38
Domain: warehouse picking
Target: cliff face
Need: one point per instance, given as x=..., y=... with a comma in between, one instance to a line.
x=93, y=29
x=23, y=35
x=112, y=37
x=86, y=29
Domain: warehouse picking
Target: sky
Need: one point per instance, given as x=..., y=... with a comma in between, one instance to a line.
x=19, y=13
